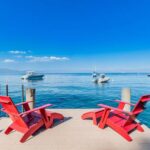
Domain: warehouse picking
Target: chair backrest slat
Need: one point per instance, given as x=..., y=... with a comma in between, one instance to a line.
x=140, y=105
x=12, y=111
x=138, y=108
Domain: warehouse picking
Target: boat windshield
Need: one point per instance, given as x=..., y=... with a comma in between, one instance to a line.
x=102, y=75
x=30, y=72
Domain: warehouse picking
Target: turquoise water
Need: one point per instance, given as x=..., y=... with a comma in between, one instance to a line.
x=78, y=90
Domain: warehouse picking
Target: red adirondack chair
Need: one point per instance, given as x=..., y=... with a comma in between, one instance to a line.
x=30, y=121
x=123, y=122
x=96, y=115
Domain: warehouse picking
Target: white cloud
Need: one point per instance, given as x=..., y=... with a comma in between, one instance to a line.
x=16, y=52
x=9, y=61
x=45, y=58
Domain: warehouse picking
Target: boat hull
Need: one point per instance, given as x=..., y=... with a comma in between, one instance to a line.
x=35, y=77
x=100, y=80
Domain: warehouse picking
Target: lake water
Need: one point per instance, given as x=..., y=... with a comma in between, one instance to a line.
x=78, y=90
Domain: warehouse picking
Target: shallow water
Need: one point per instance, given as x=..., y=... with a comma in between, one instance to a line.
x=78, y=90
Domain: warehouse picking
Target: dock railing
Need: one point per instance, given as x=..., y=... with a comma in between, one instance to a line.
x=4, y=90
x=31, y=92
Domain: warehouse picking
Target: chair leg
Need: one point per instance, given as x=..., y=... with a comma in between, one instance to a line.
x=139, y=128
x=49, y=123
x=94, y=115
x=31, y=131
x=8, y=130
x=125, y=135
x=119, y=130
x=95, y=120
x=57, y=116
x=52, y=117
x=88, y=115
x=97, y=117
x=104, y=118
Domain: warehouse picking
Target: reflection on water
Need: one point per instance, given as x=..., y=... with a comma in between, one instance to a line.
x=78, y=90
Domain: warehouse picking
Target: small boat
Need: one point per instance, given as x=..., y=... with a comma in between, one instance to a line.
x=95, y=74
x=148, y=75
x=30, y=75
x=103, y=79
x=100, y=78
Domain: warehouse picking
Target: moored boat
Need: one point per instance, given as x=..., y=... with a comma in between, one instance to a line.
x=100, y=78
x=30, y=75
x=103, y=79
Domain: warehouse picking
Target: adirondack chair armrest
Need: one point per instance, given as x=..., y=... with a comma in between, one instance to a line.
x=119, y=101
x=35, y=109
x=116, y=109
x=22, y=103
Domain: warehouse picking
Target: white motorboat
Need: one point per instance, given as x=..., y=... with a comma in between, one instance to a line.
x=103, y=79
x=100, y=78
x=30, y=75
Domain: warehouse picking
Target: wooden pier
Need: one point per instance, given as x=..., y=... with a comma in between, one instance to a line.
x=74, y=134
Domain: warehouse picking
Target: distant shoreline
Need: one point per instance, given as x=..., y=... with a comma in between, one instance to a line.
x=77, y=73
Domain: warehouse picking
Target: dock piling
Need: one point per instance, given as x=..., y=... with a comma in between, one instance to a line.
x=30, y=96
x=6, y=89
x=22, y=89
x=126, y=97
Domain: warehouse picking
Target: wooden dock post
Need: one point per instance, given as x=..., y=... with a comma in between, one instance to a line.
x=6, y=89
x=30, y=96
x=126, y=97
x=22, y=90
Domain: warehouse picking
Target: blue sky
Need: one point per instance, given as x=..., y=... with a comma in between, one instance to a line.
x=75, y=36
